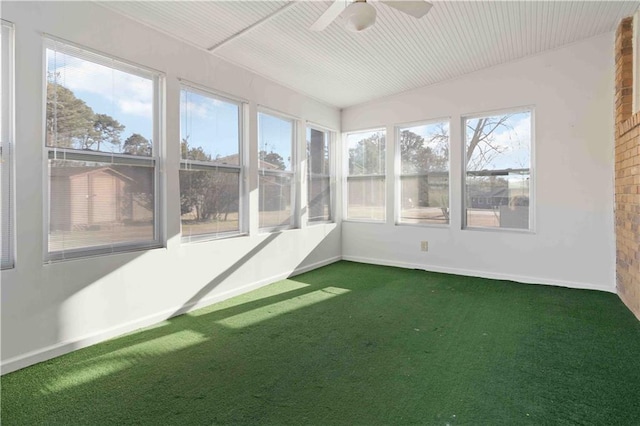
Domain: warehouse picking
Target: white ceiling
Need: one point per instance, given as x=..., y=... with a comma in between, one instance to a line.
x=399, y=53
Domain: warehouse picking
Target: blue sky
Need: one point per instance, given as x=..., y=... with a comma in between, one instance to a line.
x=513, y=140
x=126, y=97
x=428, y=131
x=209, y=123
x=275, y=134
x=354, y=138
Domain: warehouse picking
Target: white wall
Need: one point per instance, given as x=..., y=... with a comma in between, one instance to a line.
x=573, y=244
x=51, y=309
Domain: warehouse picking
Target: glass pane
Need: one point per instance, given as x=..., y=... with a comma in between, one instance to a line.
x=366, y=198
x=209, y=202
x=275, y=141
x=95, y=107
x=95, y=204
x=318, y=173
x=319, y=199
x=366, y=153
x=498, y=201
x=498, y=156
x=424, y=157
x=209, y=129
x=425, y=198
x=366, y=194
x=275, y=201
x=318, y=152
x=6, y=228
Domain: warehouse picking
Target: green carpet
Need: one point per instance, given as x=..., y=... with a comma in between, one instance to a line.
x=356, y=344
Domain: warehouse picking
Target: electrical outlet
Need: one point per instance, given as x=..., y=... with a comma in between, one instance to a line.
x=424, y=246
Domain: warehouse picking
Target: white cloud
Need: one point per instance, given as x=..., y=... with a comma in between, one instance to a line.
x=516, y=130
x=135, y=107
x=128, y=93
x=515, y=141
x=197, y=109
x=203, y=107
x=512, y=143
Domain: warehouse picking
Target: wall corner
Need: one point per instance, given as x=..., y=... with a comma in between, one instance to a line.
x=627, y=172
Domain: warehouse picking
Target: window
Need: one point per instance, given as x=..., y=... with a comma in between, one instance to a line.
x=424, y=173
x=498, y=170
x=276, y=175
x=318, y=175
x=366, y=177
x=102, y=133
x=210, y=170
x=6, y=145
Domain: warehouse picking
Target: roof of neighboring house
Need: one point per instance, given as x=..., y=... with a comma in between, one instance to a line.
x=79, y=171
x=488, y=192
x=234, y=159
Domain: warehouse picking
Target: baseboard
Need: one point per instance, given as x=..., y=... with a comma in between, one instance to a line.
x=482, y=274
x=249, y=287
x=53, y=351
x=315, y=265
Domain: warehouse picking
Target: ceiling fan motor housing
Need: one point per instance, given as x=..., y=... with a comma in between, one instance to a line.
x=359, y=16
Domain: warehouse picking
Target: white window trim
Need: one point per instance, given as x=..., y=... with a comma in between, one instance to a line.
x=293, y=173
x=99, y=57
x=206, y=165
x=636, y=61
x=7, y=147
x=532, y=167
x=397, y=189
x=332, y=174
x=158, y=80
x=345, y=180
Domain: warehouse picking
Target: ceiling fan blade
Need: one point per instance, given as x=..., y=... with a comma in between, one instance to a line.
x=329, y=15
x=415, y=8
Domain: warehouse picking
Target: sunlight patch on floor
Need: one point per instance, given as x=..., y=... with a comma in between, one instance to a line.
x=261, y=293
x=263, y=313
x=121, y=359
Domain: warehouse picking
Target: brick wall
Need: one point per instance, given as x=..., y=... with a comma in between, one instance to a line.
x=627, y=173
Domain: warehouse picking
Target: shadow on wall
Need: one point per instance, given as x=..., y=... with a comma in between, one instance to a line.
x=220, y=278
x=310, y=256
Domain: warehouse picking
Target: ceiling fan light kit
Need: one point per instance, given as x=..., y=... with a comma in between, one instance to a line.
x=359, y=16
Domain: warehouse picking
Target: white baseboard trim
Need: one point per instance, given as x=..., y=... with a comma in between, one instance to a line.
x=482, y=274
x=64, y=347
x=315, y=265
x=247, y=288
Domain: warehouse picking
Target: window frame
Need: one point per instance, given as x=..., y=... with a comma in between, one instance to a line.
x=7, y=106
x=213, y=166
x=397, y=189
x=635, y=38
x=292, y=174
x=330, y=137
x=155, y=160
x=532, y=181
x=347, y=176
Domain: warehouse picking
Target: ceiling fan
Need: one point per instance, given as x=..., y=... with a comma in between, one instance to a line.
x=360, y=15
